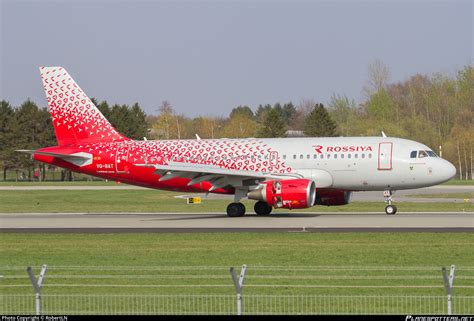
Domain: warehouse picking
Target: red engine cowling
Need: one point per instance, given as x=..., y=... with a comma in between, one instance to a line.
x=289, y=193
x=333, y=197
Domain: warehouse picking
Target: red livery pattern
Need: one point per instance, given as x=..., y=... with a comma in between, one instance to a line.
x=75, y=118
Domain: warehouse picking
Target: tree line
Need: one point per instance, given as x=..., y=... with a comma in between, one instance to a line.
x=29, y=127
x=436, y=110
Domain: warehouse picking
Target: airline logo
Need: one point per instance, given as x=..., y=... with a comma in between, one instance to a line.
x=350, y=148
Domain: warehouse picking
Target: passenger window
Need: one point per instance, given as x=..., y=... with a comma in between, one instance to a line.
x=342, y=155
x=284, y=156
x=301, y=156
x=322, y=156
x=413, y=154
x=370, y=155
x=348, y=155
x=315, y=156
x=294, y=156
x=356, y=155
x=335, y=156
x=308, y=156
x=329, y=156
x=363, y=155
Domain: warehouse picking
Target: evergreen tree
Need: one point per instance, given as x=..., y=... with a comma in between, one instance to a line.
x=273, y=125
x=289, y=112
x=104, y=108
x=319, y=124
x=261, y=112
x=8, y=131
x=138, y=124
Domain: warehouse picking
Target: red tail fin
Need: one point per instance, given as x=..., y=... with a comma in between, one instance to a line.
x=75, y=118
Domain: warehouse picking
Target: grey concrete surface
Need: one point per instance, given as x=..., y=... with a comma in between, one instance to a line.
x=188, y=222
x=399, y=196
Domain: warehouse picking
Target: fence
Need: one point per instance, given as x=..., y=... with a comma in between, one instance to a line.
x=225, y=304
x=210, y=290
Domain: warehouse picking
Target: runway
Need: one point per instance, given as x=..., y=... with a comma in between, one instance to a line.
x=399, y=196
x=219, y=222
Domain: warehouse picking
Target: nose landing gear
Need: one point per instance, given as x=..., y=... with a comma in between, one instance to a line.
x=390, y=209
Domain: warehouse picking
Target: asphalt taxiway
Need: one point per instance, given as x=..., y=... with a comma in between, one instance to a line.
x=219, y=222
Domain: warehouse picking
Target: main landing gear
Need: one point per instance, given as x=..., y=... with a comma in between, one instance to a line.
x=390, y=209
x=262, y=208
x=235, y=209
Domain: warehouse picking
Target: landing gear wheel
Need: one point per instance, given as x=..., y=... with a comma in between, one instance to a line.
x=390, y=209
x=262, y=208
x=235, y=210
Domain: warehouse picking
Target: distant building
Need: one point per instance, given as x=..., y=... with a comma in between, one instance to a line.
x=294, y=133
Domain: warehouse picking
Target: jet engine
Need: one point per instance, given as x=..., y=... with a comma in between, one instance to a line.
x=288, y=193
x=332, y=197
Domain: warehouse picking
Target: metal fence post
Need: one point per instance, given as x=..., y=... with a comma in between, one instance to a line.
x=239, y=283
x=37, y=285
x=448, y=285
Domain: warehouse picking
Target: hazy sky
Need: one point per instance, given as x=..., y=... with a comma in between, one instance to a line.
x=208, y=57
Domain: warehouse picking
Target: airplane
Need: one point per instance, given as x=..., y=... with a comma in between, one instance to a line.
x=289, y=173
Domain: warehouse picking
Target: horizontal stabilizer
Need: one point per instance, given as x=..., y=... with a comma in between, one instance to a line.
x=78, y=159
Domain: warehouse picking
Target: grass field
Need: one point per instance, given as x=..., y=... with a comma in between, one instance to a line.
x=130, y=201
x=467, y=195
x=377, y=263
x=459, y=182
x=365, y=264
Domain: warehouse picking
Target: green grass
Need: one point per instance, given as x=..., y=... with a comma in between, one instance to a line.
x=459, y=182
x=131, y=201
x=467, y=195
x=392, y=259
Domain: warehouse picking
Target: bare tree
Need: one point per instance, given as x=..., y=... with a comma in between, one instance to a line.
x=165, y=108
x=302, y=111
x=378, y=78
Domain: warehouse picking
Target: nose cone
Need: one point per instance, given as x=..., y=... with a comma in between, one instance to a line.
x=446, y=171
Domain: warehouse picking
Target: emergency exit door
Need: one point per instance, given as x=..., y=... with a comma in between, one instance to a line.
x=385, y=156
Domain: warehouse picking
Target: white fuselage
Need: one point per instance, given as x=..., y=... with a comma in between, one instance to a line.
x=362, y=163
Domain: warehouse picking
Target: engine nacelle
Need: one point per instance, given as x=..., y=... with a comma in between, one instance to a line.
x=333, y=197
x=288, y=193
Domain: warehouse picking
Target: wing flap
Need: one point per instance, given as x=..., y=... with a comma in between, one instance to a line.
x=219, y=177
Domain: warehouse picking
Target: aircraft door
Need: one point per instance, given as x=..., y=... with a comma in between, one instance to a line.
x=122, y=165
x=273, y=158
x=385, y=156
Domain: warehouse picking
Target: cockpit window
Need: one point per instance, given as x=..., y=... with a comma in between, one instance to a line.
x=422, y=154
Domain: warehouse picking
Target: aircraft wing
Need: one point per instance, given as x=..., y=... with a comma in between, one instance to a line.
x=219, y=177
